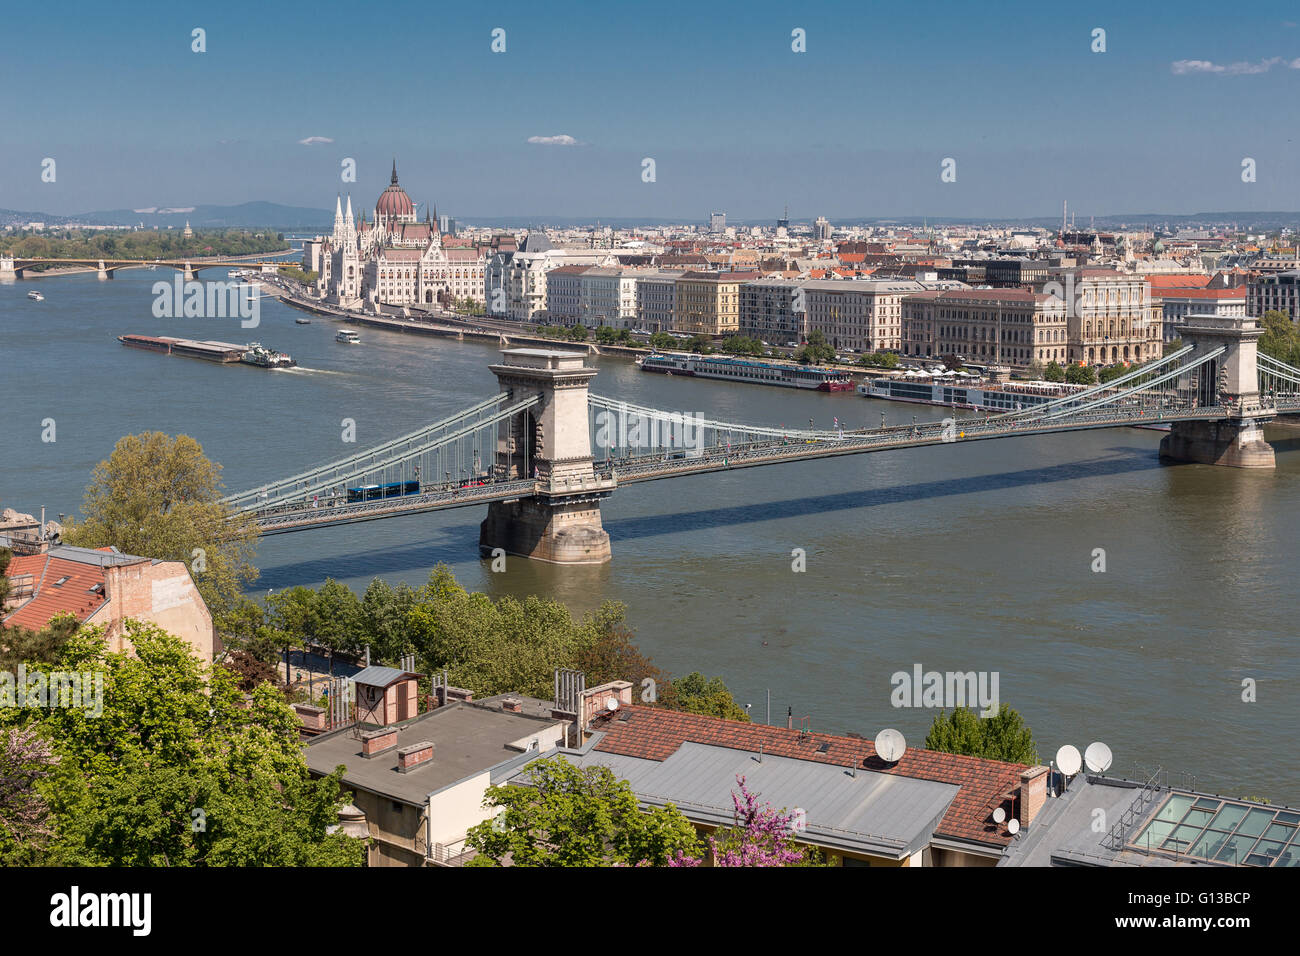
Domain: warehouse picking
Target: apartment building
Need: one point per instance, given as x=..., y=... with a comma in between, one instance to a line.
x=708, y=303
x=1279, y=291
x=1012, y=327
x=564, y=295
x=774, y=310
x=1177, y=304
x=656, y=292
x=1113, y=317
x=865, y=315
x=608, y=297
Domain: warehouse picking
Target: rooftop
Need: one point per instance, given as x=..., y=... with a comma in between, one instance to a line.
x=468, y=738
x=979, y=785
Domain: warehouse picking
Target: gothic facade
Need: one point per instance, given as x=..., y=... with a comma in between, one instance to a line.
x=394, y=259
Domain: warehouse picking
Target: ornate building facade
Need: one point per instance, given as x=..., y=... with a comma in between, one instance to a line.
x=394, y=258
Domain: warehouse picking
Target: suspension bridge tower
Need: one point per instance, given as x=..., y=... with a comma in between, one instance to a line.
x=1230, y=380
x=551, y=443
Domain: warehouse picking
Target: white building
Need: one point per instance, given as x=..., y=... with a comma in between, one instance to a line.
x=393, y=260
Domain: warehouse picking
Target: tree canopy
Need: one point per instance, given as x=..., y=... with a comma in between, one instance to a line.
x=571, y=816
x=160, y=497
x=1003, y=736
x=178, y=769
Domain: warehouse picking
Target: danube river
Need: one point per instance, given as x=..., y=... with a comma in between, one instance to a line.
x=965, y=557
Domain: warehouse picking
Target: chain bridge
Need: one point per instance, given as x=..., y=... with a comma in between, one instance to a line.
x=544, y=452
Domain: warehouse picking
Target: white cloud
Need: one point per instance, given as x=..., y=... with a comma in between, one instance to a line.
x=1240, y=68
x=561, y=140
x=314, y=140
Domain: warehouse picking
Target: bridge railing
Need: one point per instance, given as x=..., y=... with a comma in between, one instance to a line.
x=399, y=458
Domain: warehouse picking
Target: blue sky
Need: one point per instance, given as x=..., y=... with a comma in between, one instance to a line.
x=856, y=126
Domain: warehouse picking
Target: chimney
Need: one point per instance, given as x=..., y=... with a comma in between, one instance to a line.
x=1033, y=794
x=513, y=704
x=408, y=758
x=375, y=742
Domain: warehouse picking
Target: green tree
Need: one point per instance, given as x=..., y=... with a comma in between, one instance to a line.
x=383, y=619
x=697, y=694
x=741, y=345
x=511, y=645
x=160, y=497
x=570, y=816
x=1080, y=374
x=816, y=350
x=1003, y=736
x=1054, y=372
x=180, y=768
x=662, y=340
x=1281, y=338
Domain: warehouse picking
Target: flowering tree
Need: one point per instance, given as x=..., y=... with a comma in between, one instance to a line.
x=761, y=836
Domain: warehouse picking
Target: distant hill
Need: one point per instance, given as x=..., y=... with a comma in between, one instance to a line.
x=280, y=217
x=217, y=217
x=249, y=214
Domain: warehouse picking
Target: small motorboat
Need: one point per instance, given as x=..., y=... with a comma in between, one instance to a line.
x=35, y=296
x=302, y=321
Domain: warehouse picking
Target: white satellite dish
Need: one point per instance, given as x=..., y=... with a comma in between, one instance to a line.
x=611, y=704
x=1013, y=826
x=999, y=815
x=1097, y=757
x=890, y=745
x=1068, y=760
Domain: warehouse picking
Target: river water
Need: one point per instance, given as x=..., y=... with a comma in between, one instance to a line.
x=965, y=557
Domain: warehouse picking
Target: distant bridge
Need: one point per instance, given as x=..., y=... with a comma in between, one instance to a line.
x=527, y=451
x=16, y=267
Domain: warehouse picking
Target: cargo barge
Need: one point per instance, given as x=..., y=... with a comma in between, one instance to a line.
x=224, y=353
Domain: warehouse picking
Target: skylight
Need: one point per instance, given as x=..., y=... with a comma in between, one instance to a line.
x=1223, y=831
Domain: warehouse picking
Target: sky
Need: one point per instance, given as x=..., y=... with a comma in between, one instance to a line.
x=561, y=122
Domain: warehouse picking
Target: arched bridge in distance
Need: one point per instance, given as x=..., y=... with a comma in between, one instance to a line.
x=12, y=267
x=527, y=452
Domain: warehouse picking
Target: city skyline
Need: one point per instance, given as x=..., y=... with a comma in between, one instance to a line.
x=560, y=123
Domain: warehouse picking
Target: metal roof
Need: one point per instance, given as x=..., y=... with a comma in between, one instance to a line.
x=377, y=676
x=874, y=813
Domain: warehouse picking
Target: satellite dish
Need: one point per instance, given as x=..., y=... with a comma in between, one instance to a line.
x=999, y=815
x=611, y=704
x=1068, y=760
x=1013, y=826
x=1097, y=757
x=890, y=745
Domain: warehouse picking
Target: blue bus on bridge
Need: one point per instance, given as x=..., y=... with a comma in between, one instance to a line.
x=394, y=489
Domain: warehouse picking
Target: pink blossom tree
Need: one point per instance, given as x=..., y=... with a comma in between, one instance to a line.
x=761, y=836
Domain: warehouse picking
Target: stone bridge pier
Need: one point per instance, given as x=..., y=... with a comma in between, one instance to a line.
x=1233, y=380
x=550, y=442
x=7, y=270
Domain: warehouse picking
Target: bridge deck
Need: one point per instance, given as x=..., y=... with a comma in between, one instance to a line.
x=296, y=517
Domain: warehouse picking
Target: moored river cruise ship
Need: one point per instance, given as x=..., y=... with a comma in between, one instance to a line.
x=1008, y=397
x=743, y=370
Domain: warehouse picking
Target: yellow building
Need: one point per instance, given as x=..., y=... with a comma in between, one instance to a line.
x=708, y=303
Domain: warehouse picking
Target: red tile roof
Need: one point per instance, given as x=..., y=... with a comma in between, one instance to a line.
x=654, y=734
x=72, y=597
x=1177, y=281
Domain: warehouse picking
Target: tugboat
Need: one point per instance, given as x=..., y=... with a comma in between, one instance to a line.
x=36, y=296
x=257, y=354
